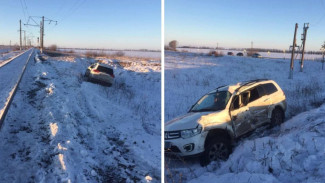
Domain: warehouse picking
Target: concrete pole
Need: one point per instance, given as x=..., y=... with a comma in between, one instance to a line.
x=323, y=60
x=303, y=46
x=20, y=35
x=293, y=52
x=42, y=42
x=24, y=39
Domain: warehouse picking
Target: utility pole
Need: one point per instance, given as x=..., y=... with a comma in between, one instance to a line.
x=293, y=52
x=24, y=39
x=323, y=58
x=20, y=34
x=41, y=25
x=42, y=34
x=304, y=35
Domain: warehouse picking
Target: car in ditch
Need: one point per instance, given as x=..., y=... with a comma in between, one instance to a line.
x=222, y=116
x=100, y=73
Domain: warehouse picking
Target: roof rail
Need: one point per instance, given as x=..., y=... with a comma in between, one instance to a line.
x=250, y=82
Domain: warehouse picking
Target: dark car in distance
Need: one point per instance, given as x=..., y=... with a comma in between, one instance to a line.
x=240, y=54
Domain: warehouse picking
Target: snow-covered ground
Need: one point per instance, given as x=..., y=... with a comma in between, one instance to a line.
x=61, y=128
x=285, y=55
x=133, y=53
x=6, y=57
x=9, y=75
x=292, y=152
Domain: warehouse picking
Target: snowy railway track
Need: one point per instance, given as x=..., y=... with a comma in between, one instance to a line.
x=12, y=92
x=5, y=62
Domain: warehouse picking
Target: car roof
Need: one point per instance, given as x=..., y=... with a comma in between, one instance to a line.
x=239, y=86
x=103, y=65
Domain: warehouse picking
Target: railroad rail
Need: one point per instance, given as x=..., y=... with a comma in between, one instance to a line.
x=12, y=93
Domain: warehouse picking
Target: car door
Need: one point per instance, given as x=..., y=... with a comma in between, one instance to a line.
x=240, y=115
x=258, y=105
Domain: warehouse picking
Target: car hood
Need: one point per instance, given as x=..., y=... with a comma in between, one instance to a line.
x=192, y=119
x=187, y=121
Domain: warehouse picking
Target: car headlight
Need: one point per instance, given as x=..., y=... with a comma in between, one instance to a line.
x=191, y=132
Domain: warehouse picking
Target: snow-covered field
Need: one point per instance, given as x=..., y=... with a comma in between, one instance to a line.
x=285, y=55
x=6, y=57
x=61, y=128
x=293, y=152
x=133, y=53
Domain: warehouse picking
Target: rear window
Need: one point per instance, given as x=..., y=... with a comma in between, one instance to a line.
x=269, y=88
x=105, y=70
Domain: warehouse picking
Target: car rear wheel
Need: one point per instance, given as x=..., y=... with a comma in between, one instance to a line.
x=87, y=73
x=217, y=148
x=277, y=117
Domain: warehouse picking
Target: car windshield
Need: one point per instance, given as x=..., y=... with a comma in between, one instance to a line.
x=212, y=102
x=105, y=69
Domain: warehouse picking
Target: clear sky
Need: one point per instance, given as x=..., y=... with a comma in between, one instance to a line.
x=116, y=24
x=235, y=23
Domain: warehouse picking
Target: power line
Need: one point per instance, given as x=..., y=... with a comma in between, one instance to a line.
x=26, y=7
x=22, y=7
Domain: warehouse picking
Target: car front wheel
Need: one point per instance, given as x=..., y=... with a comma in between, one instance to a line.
x=277, y=117
x=217, y=148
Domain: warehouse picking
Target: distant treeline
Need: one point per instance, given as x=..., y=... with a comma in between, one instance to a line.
x=98, y=49
x=248, y=49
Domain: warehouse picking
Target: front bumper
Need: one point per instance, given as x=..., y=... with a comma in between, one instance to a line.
x=186, y=147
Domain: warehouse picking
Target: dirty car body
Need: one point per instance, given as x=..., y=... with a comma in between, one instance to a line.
x=227, y=112
x=100, y=73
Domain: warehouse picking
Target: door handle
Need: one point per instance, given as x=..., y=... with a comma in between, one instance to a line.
x=266, y=99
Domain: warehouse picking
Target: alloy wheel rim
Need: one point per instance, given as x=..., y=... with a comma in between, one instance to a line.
x=217, y=151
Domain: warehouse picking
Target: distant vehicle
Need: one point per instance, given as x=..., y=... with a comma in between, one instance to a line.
x=223, y=115
x=256, y=55
x=230, y=53
x=240, y=54
x=100, y=73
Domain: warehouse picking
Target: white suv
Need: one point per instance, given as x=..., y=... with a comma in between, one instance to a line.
x=223, y=115
x=100, y=73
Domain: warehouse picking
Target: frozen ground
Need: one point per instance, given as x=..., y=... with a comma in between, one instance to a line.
x=133, y=53
x=6, y=57
x=269, y=155
x=63, y=129
x=9, y=75
x=286, y=55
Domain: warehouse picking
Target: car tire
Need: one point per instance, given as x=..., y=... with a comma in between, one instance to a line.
x=87, y=73
x=217, y=148
x=277, y=117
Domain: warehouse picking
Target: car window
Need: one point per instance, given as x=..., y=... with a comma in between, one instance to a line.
x=105, y=69
x=212, y=102
x=261, y=90
x=254, y=95
x=245, y=98
x=92, y=66
x=235, y=104
x=269, y=88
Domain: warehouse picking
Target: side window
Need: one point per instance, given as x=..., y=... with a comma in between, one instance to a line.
x=235, y=104
x=92, y=66
x=254, y=95
x=245, y=98
x=269, y=88
x=261, y=90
